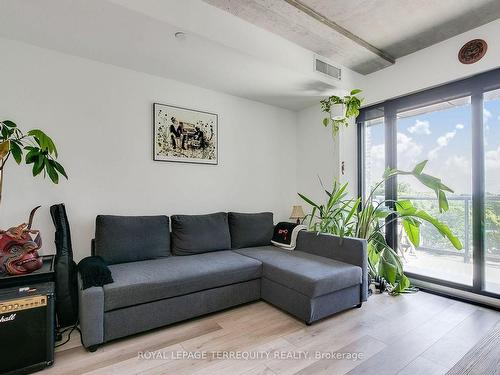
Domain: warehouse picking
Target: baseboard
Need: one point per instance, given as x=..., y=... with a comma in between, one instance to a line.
x=457, y=294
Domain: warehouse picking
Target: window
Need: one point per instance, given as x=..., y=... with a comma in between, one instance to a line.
x=441, y=134
x=374, y=149
x=456, y=127
x=491, y=120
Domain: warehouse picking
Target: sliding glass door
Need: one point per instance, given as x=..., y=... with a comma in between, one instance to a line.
x=456, y=127
x=441, y=134
x=491, y=120
x=374, y=149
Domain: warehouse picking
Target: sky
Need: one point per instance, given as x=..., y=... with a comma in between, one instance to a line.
x=444, y=138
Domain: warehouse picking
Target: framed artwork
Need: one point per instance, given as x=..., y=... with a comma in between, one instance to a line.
x=184, y=135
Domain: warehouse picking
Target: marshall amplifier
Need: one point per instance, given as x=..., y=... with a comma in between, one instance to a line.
x=26, y=328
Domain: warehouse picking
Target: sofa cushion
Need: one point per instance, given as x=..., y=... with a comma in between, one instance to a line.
x=152, y=280
x=309, y=274
x=121, y=239
x=249, y=230
x=195, y=234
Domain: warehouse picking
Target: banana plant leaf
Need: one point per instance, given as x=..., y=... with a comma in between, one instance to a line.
x=408, y=213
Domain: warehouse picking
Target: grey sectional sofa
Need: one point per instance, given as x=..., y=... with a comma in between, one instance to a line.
x=211, y=262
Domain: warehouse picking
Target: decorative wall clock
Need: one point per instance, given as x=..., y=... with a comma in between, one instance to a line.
x=472, y=51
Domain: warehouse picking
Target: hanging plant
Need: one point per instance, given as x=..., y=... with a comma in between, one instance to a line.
x=341, y=109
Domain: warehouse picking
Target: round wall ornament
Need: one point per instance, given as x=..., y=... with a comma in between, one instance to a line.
x=472, y=51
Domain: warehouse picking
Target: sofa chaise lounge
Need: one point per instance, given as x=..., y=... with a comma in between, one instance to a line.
x=207, y=263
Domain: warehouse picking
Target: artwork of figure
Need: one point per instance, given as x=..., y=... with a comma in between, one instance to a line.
x=184, y=135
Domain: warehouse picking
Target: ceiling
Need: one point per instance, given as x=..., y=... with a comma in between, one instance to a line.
x=259, y=60
x=364, y=35
x=248, y=61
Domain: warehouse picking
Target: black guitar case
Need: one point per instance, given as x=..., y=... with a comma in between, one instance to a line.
x=65, y=270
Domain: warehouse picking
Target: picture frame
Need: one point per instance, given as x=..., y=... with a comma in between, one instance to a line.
x=185, y=135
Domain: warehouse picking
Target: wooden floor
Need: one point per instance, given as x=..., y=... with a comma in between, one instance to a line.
x=411, y=334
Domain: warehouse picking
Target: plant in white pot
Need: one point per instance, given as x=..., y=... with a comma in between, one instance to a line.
x=341, y=109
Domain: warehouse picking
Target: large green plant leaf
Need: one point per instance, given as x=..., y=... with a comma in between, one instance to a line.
x=433, y=183
x=38, y=165
x=401, y=285
x=44, y=141
x=412, y=230
x=9, y=123
x=17, y=151
x=309, y=201
x=373, y=255
x=51, y=171
x=387, y=270
x=406, y=209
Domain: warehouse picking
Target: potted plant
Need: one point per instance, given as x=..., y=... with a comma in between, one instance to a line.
x=19, y=244
x=341, y=109
x=40, y=151
x=367, y=220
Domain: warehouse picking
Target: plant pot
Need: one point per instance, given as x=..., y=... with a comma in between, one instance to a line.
x=337, y=111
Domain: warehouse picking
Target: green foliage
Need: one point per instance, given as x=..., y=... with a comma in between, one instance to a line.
x=431, y=182
x=35, y=146
x=350, y=217
x=351, y=103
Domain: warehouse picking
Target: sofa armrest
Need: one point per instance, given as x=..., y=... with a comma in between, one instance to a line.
x=347, y=250
x=91, y=314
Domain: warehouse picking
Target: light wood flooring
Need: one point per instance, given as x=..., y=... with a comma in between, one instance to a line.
x=412, y=334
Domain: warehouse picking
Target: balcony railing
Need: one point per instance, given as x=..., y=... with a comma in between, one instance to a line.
x=465, y=224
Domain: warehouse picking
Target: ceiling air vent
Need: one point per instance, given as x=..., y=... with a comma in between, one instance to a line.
x=325, y=68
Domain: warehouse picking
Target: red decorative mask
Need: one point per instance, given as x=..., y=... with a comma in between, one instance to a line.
x=19, y=249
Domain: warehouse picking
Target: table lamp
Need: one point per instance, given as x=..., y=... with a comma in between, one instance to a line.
x=297, y=213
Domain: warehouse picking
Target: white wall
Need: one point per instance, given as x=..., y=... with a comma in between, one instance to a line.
x=318, y=154
x=100, y=116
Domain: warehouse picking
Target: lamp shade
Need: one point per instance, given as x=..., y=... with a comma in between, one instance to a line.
x=297, y=213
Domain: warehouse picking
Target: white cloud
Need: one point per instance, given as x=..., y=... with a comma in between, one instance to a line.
x=433, y=154
x=492, y=159
x=445, y=139
x=441, y=143
x=459, y=126
x=486, y=115
x=375, y=163
x=408, y=151
x=492, y=166
x=420, y=127
x=377, y=152
x=456, y=173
